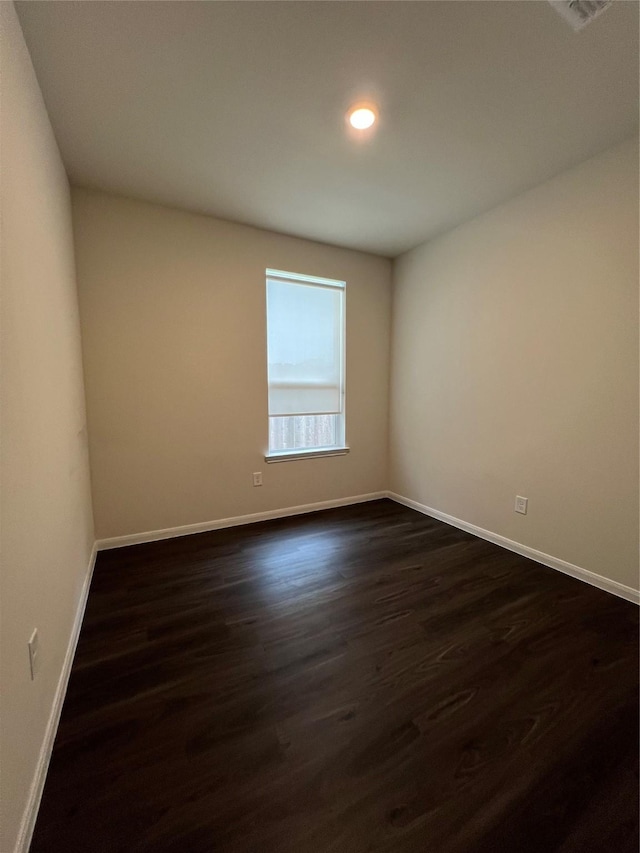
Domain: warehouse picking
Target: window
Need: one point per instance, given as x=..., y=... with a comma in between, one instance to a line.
x=305, y=357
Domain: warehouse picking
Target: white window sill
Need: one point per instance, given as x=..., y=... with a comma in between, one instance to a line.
x=296, y=455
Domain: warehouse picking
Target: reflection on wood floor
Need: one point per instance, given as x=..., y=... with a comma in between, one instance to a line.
x=359, y=679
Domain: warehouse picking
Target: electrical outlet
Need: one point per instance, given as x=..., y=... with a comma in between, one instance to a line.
x=34, y=653
x=257, y=478
x=521, y=504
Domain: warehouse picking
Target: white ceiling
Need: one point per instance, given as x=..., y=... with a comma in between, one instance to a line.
x=237, y=109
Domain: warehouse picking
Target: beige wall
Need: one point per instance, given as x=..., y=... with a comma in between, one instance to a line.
x=173, y=318
x=46, y=522
x=515, y=368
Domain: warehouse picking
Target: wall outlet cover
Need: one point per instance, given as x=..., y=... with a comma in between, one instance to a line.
x=34, y=655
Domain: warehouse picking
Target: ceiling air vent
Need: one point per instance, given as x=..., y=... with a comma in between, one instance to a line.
x=579, y=13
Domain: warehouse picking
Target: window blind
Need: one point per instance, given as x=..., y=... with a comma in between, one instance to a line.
x=305, y=332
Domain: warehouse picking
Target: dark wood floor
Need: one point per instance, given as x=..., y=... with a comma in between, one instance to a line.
x=361, y=679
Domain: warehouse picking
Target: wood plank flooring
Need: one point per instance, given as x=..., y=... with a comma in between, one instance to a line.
x=360, y=679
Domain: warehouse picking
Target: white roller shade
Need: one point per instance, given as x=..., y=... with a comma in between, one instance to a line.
x=305, y=346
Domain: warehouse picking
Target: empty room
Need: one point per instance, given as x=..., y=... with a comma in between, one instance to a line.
x=319, y=426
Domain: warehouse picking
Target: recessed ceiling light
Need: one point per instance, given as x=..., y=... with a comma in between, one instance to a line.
x=362, y=117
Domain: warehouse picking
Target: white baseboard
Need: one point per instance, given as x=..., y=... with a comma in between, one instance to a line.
x=234, y=521
x=37, y=785
x=606, y=584
x=619, y=589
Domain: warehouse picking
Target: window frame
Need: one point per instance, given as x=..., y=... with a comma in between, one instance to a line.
x=340, y=448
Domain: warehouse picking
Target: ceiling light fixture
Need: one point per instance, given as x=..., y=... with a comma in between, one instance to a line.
x=362, y=116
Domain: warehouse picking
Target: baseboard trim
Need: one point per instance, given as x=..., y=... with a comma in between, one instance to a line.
x=234, y=521
x=28, y=823
x=615, y=588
